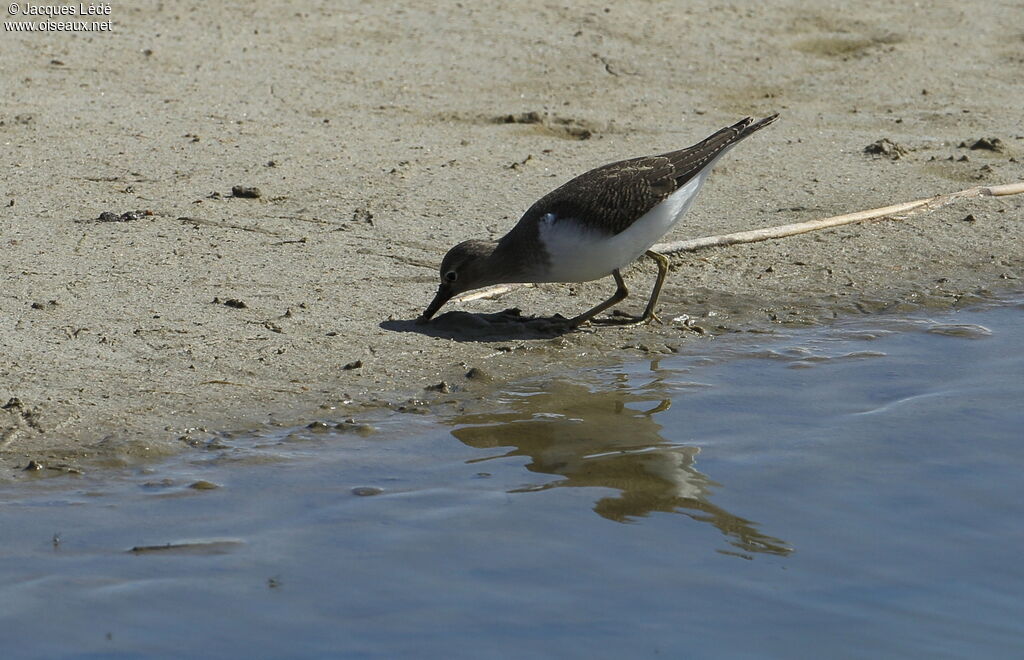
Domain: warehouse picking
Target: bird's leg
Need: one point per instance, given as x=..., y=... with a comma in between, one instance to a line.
x=648, y=314
x=620, y=292
x=662, y=262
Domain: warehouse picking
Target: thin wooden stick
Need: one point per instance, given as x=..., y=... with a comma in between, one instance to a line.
x=896, y=211
x=900, y=211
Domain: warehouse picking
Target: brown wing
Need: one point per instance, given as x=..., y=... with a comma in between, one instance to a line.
x=614, y=195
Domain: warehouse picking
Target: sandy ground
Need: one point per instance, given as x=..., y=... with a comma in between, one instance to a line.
x=375, y=134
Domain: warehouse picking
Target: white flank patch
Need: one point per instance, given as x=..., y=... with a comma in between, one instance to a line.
x=580, y=254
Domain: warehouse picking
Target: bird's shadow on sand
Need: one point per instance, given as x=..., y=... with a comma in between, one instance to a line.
x=500, y=326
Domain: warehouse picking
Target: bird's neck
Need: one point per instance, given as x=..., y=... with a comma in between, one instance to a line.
x=517, y=256
x=499, y=265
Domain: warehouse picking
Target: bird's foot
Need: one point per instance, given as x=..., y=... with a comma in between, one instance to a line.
x=622, y=318
x=558, y=324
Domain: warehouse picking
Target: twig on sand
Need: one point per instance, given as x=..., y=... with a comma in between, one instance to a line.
x=895, y=212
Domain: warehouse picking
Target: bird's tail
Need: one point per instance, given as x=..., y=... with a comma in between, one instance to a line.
x=700, y=157
x=741, y=129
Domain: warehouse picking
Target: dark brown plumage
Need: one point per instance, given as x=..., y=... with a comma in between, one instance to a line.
x=611, y=197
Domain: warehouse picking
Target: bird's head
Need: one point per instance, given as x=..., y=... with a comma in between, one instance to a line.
x=466, y=266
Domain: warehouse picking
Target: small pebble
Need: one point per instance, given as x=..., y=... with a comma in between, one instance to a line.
x=988, y=144
x=352, y=426
x=888, y=148
x=127, y=216
x=203, y=485
x=250, y=192
x=230, y=302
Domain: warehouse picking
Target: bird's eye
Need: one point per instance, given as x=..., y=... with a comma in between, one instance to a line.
x=451, y=276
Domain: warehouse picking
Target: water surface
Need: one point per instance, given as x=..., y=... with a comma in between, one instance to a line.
x=845, y=492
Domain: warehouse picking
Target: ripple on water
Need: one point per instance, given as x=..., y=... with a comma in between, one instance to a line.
x=960, y=330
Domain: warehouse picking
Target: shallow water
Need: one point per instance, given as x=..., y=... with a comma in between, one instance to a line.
x=852, y=491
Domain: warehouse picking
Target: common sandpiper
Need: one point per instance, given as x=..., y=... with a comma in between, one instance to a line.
x=593, y=226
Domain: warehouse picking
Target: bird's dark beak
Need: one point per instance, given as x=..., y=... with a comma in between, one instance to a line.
x=444, y=294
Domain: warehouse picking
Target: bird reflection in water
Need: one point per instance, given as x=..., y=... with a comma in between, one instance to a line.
x=592, y=439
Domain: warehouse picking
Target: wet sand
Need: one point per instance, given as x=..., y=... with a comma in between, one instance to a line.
x=378, y=136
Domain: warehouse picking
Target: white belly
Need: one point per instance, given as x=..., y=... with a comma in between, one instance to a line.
x=580, y=254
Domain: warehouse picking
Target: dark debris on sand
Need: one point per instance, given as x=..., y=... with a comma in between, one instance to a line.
x=887, y=149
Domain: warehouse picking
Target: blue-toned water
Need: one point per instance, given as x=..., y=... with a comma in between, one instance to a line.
x=847, y=492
